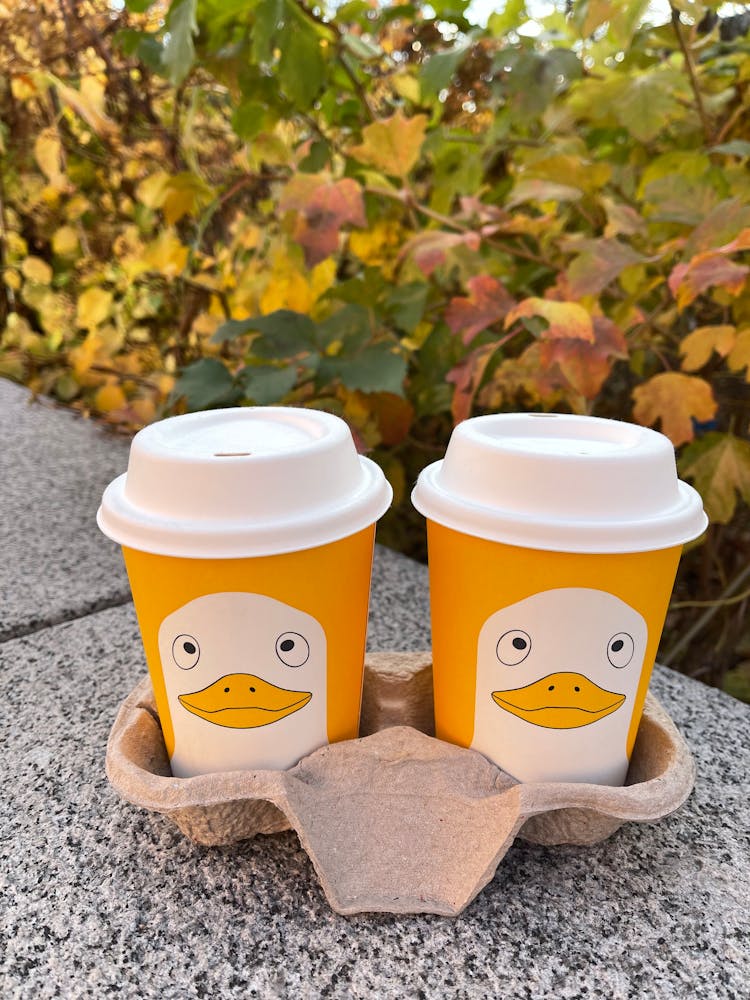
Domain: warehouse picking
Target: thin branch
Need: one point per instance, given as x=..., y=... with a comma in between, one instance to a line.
x=690, y=67
x=697, y=627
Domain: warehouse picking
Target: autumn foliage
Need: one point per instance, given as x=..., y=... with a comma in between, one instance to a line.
x=393, y=214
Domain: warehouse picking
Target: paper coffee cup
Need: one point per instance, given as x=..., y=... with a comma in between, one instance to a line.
x=248, y=538
x=553, y=545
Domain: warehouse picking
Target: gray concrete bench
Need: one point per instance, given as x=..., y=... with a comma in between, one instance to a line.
x=98, y=898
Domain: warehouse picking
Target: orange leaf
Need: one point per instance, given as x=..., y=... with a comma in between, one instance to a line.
x=392, y=144
x=688, y=281
x=109, y=397
x=467, y=377
x=487, y=302
x=394, y=416
x=676, y=400
x=586, y=366
x=699, y=345
x=323, y=206
x=739, y=356
x=565, y=319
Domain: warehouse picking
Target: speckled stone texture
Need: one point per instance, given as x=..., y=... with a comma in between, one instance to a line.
x=54, y=466
x=101, y=899
x=98, y=899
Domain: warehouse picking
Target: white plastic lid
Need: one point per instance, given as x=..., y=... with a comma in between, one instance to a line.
x=562, y=483
x=249, y=481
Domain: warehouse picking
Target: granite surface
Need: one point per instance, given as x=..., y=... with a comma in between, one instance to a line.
x=54, y=466
x=100, y=899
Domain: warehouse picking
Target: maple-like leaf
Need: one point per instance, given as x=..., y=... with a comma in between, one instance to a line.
x=429, y=250
x=467, y=377
x=676, y=400
x=706, y=270
x=739, y=356
x=586, y=366
x=323, y=206
x=392, y=144
x=564, y=319
x=486, y=303
x=719, y=466
x=598, y=265
x=698, y=346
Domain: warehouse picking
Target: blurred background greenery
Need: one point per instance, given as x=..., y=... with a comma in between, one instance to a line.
x=402, y=213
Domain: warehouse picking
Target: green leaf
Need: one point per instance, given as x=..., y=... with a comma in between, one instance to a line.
x=359, y=48
x=179, y=50
x=265, y=384
x=719, y=466
x=268, y=17
x=284, y=334
x=138, y=6
x=302, y=68
x=646, y=103
x=231, y=329
x=206, y=383
x=375, y=369
x=438, y=70
x=512, y=16
x=250, y=118
x=351, y=328
x=736, y=147
x=406, y=304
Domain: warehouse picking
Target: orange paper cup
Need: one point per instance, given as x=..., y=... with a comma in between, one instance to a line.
x=553, y=547
x=248, y=539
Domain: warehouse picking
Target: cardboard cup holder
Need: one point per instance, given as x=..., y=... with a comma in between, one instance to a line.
x=396, y=794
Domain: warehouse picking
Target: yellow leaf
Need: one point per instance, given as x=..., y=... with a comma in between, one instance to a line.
x=48, y=152
x=12, y=279
x=739, y=356
x=76, y=207
x=86, y=108
x=698, y=346
x=65, y=241
x=392, y=144
x=16, y=246
x=322, y=277
x=564, y=319
x=165, y=384
x=109, y=397
x=37, y=270
x=84, y=355
x=152, y=190
x=166, y=255
x=675, y=400
x=377, y=245
x=23, y=87
x=94, y=306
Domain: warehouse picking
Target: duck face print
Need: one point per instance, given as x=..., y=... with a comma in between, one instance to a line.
x=245, y=677
x=557, y=675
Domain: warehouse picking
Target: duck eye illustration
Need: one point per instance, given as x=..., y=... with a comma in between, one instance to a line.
x=292, y=649
x=186, y=652
x=513, y=647
x=620, y=650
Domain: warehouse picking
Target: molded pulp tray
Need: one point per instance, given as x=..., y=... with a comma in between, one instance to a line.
x=398, y=793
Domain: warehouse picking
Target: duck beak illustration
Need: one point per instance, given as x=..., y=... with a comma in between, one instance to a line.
x=243, y=701
x=560, y=701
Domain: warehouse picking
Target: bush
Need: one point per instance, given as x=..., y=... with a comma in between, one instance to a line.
x=401, y=218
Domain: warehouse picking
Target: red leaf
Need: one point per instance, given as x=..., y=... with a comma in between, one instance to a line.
x=323, y=206
x=487, y=302
x=467, y=377
x=598, y=265
x=586, y=366
x=705, y=270
x=430, y=249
